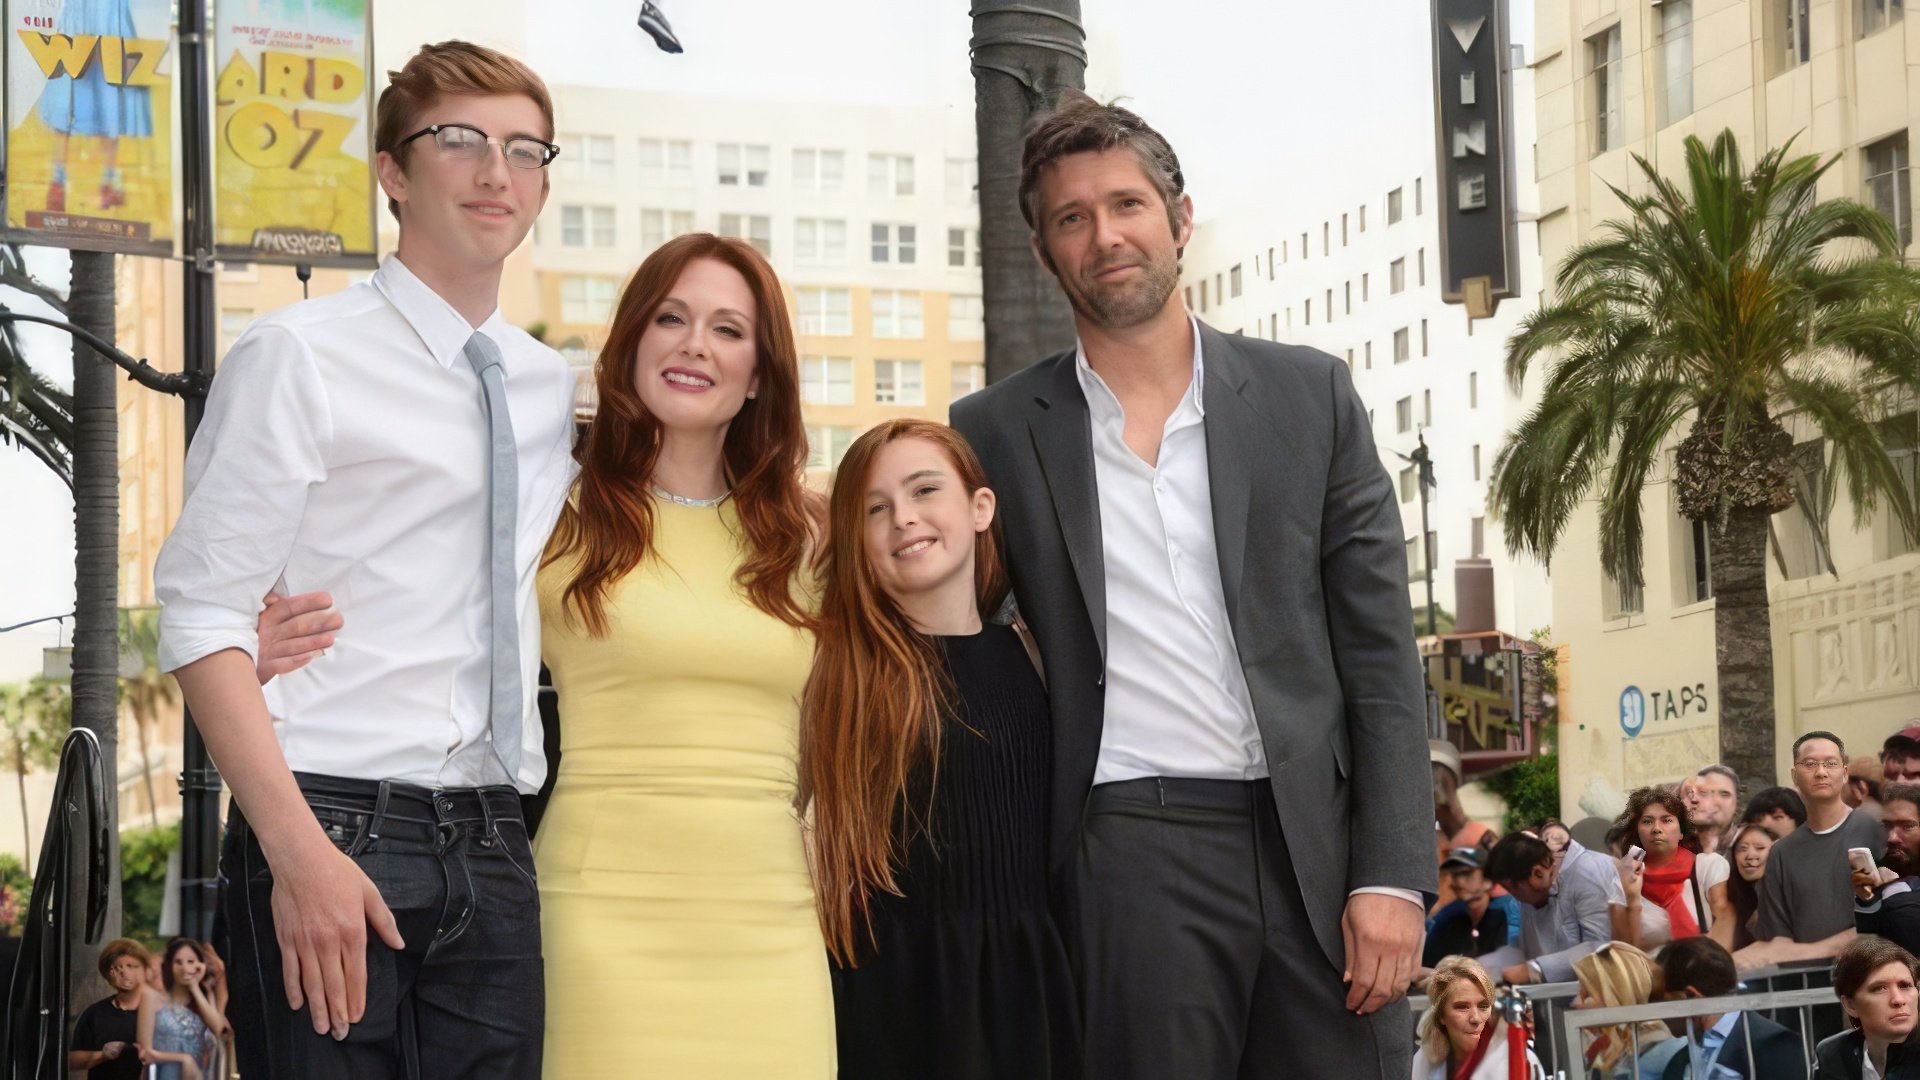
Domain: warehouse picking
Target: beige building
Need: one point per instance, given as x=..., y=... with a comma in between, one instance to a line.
x=1617, y=78
x=867, y=214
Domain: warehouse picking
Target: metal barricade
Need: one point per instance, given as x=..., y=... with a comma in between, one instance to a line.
x=1572, y=1021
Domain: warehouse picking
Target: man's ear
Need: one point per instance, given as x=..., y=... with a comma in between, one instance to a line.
x=392, y=176
x=1040, y=253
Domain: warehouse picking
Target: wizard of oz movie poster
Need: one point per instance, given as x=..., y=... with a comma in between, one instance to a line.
x=90, y=124
x=293, y=132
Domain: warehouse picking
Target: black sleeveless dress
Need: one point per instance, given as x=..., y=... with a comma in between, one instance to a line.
x=967, y=977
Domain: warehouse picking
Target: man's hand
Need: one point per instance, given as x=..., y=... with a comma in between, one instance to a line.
x=322, y=906
x=111, y=1051
x=293, y=630
x=1759, y=954
x=1519, y=974
x=1865, y=882
x=1382, y=936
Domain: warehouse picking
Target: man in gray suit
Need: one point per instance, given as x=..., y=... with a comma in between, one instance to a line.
x=1204, y=542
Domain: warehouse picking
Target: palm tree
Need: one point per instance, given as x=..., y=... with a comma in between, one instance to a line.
x=33, y=721
x=1023, y=56
x=1725, y=309
x=146, y=690
x=35, y=415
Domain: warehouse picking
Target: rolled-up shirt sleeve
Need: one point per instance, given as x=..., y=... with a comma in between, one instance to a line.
x=261, y=446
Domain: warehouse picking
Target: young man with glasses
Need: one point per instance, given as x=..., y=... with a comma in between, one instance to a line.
x=1806, y=898
x=402, y=448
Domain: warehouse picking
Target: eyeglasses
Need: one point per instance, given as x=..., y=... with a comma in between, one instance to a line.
x=1829, y=765
x=464, y=143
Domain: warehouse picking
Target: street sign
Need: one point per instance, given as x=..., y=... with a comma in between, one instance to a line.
x=1475, y=152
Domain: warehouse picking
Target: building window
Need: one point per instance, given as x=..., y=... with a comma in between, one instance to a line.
x=889, y=176
x=1901, y=436
x=666, y=163
x=898, y=382
x=1329, y=305
x=968, y=377
x=659, y=226
x=1271, y=268
x=1402, y=347
x=1423, y=337
x=1479, y=529
x=1426, y=408
x=1233, y=281
x=1393, y=207
x=1788, y=33
x=897, y=244
x=1609, y=114
x=1348, y=309
x=1305, y=250
x=1700, y=562
x=1872, y=16
x=587, y=157
x=1417, y=200
x=1420, y=261
x=1403, y=415
x=962, y=245
x=1414, y=569
x=1676, y=60
x=824, y=311
x=1343, y=230
x=1473, y=389
x=1187, y=292
x=233, y=323
x=826, y=380
x=1476, y=461
x=1203, y=294
x=586, y=301
x=1326, y=238
x=1397, y=276
x=1367, y=351
x=1888, y=189
x=586, y=226
x=1363, y=218
x=1620, y=599
x=1308, y=303
x=1364, y=287
x=827, y=444
x=896, y=314
x=743, y=165
x=756, y=229
x=966, y=318
x=963, y=181
x=1409, y=484
x=819, y=170
x=820, y=241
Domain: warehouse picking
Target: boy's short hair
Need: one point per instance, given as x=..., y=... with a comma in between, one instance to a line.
x=120, y=947
x=451, y=68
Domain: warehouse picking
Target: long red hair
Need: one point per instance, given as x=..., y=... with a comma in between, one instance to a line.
x=871, y=717
x=607, y=530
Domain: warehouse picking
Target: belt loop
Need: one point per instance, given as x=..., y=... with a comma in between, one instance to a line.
x=486, y=816
x=1160, y=785
x=379, y=810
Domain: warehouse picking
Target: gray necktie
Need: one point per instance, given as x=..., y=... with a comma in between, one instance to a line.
x=503, y=491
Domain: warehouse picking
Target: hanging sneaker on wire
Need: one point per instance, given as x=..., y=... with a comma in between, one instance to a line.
x=655, y=24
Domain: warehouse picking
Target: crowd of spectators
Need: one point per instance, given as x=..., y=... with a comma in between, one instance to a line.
x=166, y=1017
x=1688, y=891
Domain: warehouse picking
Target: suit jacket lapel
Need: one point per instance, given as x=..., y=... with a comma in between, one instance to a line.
x=1062, y=439
x=1231, y=425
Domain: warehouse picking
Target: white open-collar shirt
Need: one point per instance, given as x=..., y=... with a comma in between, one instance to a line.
x=1176, y=701
x=345, y=449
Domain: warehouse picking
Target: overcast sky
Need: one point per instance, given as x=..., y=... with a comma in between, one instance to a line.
x=1272, y=102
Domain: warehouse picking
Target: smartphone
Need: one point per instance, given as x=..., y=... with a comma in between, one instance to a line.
x=1860, y=859
x=1639, y=854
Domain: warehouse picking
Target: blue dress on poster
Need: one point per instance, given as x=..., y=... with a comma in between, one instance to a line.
x=90, y=105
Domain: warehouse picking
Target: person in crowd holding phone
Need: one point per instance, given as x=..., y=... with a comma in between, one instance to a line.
x=1459, y=1036
x=1670, y=892
x=1874, y=979
x=1887, y=902
x=1806, y=899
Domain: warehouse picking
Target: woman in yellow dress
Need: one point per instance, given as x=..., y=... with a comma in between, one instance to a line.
x=680, y=933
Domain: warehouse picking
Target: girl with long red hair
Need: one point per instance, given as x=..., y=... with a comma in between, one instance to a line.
x=925, y=758
x=677, y=909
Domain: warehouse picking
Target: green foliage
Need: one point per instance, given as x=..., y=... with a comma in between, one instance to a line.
x=1733, y=304
x=537, y=331
x=16, y=892
x=143, y=878
x=1531, y=788
x=1442, y=619
x=34, y=719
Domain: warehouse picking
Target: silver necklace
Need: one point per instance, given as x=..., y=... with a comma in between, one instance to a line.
x=684, y=501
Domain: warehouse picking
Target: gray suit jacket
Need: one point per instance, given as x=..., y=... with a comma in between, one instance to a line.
x=1313, y=565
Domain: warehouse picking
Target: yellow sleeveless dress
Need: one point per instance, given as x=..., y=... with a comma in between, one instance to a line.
x=677, y=914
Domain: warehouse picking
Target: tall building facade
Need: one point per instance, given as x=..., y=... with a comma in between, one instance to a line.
x=1362, y=280
x=1621, y=78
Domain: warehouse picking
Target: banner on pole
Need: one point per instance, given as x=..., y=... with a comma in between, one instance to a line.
x=293, y=132
x=90, y=124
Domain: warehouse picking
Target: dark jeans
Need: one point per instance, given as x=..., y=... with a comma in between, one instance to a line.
x=1196, y=957
x=465, y=998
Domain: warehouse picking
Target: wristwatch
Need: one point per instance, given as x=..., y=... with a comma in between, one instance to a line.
x=1538, y=974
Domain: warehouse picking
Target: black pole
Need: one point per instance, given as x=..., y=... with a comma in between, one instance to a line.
x=199, y=783
x=1424, y=466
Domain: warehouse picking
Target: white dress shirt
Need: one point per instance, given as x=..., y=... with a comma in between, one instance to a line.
x=345, y=449
x=1176, y=697
x=1176, y=701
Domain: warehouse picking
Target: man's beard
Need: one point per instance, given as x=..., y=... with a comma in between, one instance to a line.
x=1125, y=304
x=1899, y=861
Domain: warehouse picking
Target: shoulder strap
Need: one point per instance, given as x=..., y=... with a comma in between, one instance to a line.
x=1033, y=647
x=1701, y=916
